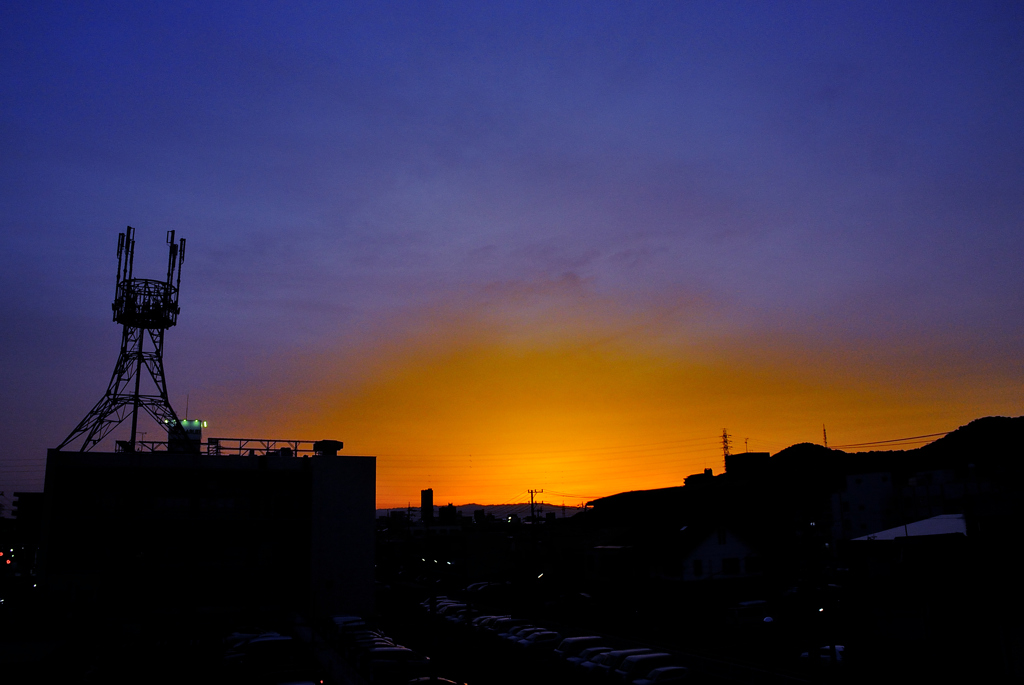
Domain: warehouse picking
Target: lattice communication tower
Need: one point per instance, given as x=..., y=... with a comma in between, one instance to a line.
x=146, y=308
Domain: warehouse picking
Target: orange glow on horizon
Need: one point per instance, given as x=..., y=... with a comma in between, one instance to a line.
x=483, y=418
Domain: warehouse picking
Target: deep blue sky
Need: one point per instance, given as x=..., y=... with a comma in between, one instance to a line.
x=811, y=180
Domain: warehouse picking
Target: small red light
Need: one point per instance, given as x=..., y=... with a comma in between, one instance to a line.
x=8, y=561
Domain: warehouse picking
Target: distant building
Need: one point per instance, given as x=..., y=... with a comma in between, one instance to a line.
x=717, y=553
x=747, y=464
x=614, y=564
x=448, y=516
x=427, y=504
x=168, y=531
x=699, y=479
x=864, y=503
x=19, y=537
x=934, y=492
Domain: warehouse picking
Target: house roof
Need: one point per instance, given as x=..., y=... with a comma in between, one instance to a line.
x=937, y=525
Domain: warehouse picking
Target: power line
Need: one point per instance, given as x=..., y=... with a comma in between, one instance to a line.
x=885, y=442
x=571, y=496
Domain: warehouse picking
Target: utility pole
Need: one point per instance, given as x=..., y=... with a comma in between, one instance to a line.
x=824, y=435
x=533, y=517
x=726, y=443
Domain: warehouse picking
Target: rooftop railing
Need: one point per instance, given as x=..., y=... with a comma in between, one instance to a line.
x=226, y=447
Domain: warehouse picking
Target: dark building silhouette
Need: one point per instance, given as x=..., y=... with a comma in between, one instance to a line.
x=779, y=556
x=173, y=531
x=747, y=464
x=427, y=504
x=706, y=552
x=19, y=540
x=699, y=479
x=448, y=516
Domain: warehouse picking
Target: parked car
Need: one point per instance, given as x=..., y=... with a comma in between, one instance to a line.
x=450, y=608
x=346, y=620
x=603, y=665
x=360, y=638
x=479, y=622
x=522, y=633
x=540, y=641
x=512, y=631
x=504, y=624
x=586, y=655
x=365, y=645
x=664, y=676
x=459, y=616
x=639, y=665
x=571, y=646
x=436, y=602
x=361, y=632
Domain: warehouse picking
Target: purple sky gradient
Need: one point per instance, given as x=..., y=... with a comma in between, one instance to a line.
x=815, y=177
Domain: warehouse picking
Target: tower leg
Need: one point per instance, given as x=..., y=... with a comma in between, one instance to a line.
x=122, y=400
x=138, y=379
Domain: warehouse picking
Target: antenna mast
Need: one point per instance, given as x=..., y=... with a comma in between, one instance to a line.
x=145, y=308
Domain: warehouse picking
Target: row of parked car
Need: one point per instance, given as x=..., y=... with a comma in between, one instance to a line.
x=583, y=658
x=377, y=657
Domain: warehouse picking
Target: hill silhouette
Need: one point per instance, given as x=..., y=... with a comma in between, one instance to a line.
x=797, y=481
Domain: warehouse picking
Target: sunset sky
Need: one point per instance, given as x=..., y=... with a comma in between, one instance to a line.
x=520, y=245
